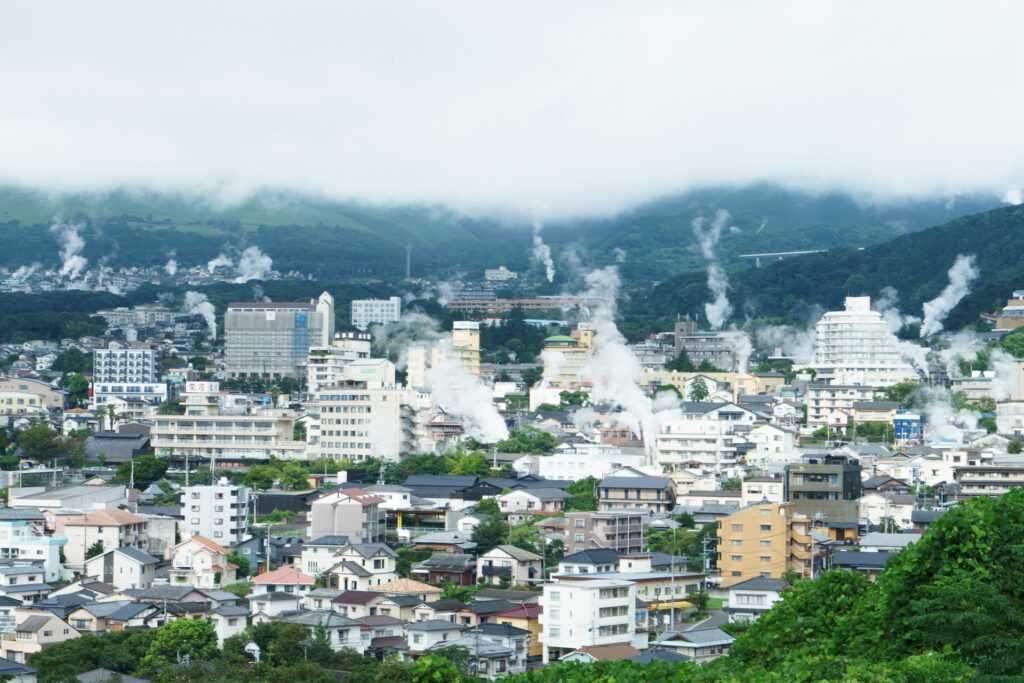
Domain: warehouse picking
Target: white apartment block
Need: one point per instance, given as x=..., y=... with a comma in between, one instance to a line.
x=218, y=512
x=586, y=613
x=136, y=366
x=500, y=274
x=325, y=365
x=579, y=462
x=706, y=433
x=824, y=399
x=366, y=312
x=855, y=346
x=360, y=420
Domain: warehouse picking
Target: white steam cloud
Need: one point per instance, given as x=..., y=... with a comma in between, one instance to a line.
x=718, y=309
x=886, y=304
x=71, y=245
x=794, y=342
x=222, y=261
x=553, y=362
x=619, y=254
x=461, y=394
x=739, y=343
x=171, y=267
x=961, y=274
x=1004, y=380
x=542, y=252
x=24, y=272
x=253, y=265
x=198, y=304
x=945, y=424
x=415, y=328
x=963, y=345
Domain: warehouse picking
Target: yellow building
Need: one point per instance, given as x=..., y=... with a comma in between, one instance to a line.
x=565, y=357
x=526, y=617
x=21, y=403
x=464, y=345
x=763, y=540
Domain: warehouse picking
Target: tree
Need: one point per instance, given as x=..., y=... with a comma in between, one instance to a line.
x=733, y=484
x=181, y=639
x=76, y=386
x=242, y=563
x=490, y=532
x=699, y=600
x=94, y=550
x=148, y=468
x=488, y=506
x=584, y=496
x=471, y=463
x=1014, y=446
x=698, y=390
x=528, y=440
x=39, y=442
x=531, y=376
x=73, y=360
x=294, y=476
x=173, y=406
x=261, y=476
x=681, y=363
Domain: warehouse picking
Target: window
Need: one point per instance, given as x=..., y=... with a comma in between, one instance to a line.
x=580, y=523
x=556, y=595
x=765, y=559
x=378, y=564
x=555, y=632
x=737, y=527
x=766, y=528
x=557, y=613
x=47, y=634
x=766, y=544
x=417, y=639
x=737, y=541
x=579, y=538
x=737, y=573
x=737, y=558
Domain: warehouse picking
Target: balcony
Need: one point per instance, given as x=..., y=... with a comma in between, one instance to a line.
x=496, y=571
x=800, y=553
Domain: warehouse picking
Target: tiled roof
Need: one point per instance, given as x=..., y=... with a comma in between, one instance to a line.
x=285, y=575
x=406, y=586
x=209, y=545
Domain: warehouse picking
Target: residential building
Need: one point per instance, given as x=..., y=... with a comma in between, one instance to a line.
x=456, y=568
x=717, y=348
x=879, y=508
x=520, y=503
x=111, y=528
x=622, y=531
x=366, y=312
x=499, y=274
x=514, y=639
x=598, y=560
x=283, y=580
x=886, y=542
x=208, y=431
x=578, y=461
x=992, y=481
x=654, y=494
x=751, y=598
x=319, y=554
x=125, y=366
x=485, y=659
x=22, y=403
x=217, y=511
x=24, y=583
x=566, y=357
x=699, y=644
x=52, y=397
x=325, y=365
x=33, y=631
x=825, y=399
x=353, y=513
x=508, y=563
x=422, y=635
x=875, y=411
x=870, y=564
x=855, y=346
x=908, y=428
x=228, y=621
x=362, y=566
x=527, y=618
x=704, y=433
x=200, y=562
x=272, y=340
x=122, y=568
x=342, y=632
x=825, y=487
x=361, y=419
x=763, y=541
x=588, y=612
x=23, y=537
x=758, y=489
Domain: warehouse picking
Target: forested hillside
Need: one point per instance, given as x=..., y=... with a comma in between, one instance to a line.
x=915, y=265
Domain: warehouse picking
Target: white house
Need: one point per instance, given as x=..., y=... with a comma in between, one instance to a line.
x=283, y=580
x=706, y=433
x=318, y=555
x=200, y=562
x=770, y=440
x=342, y=632
x=422, y=635
x=123, y=568
x=756, y=489
x=578, y=461
x=521, y=502
x=751, y=598
x=875, y=507
x=520, y=567
x=362, y=566
x=228, y=620
x=586, y=612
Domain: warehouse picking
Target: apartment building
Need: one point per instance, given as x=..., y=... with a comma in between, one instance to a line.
x=366, y=312
x=992, y=481
x=272, y=340
x=348, y=512
x=825, y=399
x=763, y=541
x=52, y=398
x=621, y=531
x=588, y=613
x=362, y=419
x=23, y=537
x=463, y=346
x=705, y=432
x=208, y=430
x=219, y=512
x=825, y=488
x=717, y=348
x=325, y=365
x=124, y=365
x=855, y=346
x=112, y=528
x=654, y=494
x=565, y=356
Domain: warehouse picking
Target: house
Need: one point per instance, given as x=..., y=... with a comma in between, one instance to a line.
x=380, y=633
x=362, y=566
x=455, y=491
x=355, y=604
x=751, y=598
x=877, y=508
x=589, y=562
x=408, y=587
x=113, y=615
x=508, y=563
x=758, y=489
x=456, y=568
x=24, y=583
x=123, y=568
x=318, y=555
x=13, y=672
x=875, y=542
x=699, y=644
x=399, y=606
x=618, y=530
x=320, y=598
x=870, y=564
x=485, y=660
x=438, y=610
x=588, y=612
x=655, y=494
x=32, y=632
x=102, y=675
x=527, y=618
x=445, y=541
x=423, y=635
x=348, y=512
x=659, y=654
x=885, y=484
x=507, y=636
x=342, y=632
x=228, y=620
x=200, y=562
x=283, y=580
x=269, y=606
x=923, y=519
x=111, y=528
x=520, y=503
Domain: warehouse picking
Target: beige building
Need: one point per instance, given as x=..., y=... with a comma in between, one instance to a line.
x=565, y=357
x=52, y=398
x=33, y=631
x=112, y=527
x=463, y=345
x=325, y=365
x=205, y=430
x=21, y=403
x=621, y=531
x=825, y=399
x=992, y=481
x=763, y=540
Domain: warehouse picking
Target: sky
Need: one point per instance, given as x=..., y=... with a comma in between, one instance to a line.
x=558, y=109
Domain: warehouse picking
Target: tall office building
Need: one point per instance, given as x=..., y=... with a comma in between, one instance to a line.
x=855, y=346
x=366, y=312
x=273, y=339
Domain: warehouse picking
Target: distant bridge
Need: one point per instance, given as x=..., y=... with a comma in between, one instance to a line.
x=779, y=255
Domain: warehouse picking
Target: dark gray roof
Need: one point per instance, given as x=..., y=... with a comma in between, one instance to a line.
x=593, y=556
x=546, y=493
x=230, y=611
x=515, y=597
x=405, y=600
x=319, y=618
x=456, y=561
x=167, y=592
x=453, y=480
x=875, y=405
x=659, y=654
x=352, y=567
x=20, y=514
x=119, y=448
x=700, y=636
x=118, y=610
x=12, y=668
x=491, y=629
x=433, y=625
x=444, y=605
x=761, y=583
x=26, y=588
x=330, y=540
x=33, y=624
x=925, y=516
x=490, y=606
x=371, y=549
x=137, y=555
x=635, y=483
x=379, y=620
x=851, y=559
x=875, y=482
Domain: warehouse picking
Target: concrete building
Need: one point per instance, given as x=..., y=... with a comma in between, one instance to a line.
x=519, y=567
x=52, y=397
x=825, y=399
x=763, y=541
x=352, y=513
x=75, y=498
x=23, y=537
x=219, y=512
x=22, y=403
x=590, y=612
x=992, y=481
x=622, y=531
x=366, y=312
x=325, y=365
x=717, y=348
x=654, y=494
x=463, y=346
x=124, y=366
x=565, y=357
x=578, y=461
x=500, y=274
x=122, y=568
x=825, y=488
x=855, y=346
x=705, y=433
x=112, y=528
x=272, y=340
x=1012, y=315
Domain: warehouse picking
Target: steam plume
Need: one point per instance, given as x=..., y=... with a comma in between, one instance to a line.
x=72, y=262
x=961, y=274
x=553, y=362
x=464, y=396
x=718, y=309
x=542, y=252
x=796, y=343
x=619, y=254
x=222, y=260
x=253, y=265
x=24, y=272
x=886, y=303
x=197, y=304
x=171, y=267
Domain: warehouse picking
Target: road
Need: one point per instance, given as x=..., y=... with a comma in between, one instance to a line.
x=716, y=617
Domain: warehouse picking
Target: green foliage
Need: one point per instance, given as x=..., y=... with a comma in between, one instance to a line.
x=294, y=476
x=39, y=442
x=241, y=562
x=73, y=361
x=278, y=517
x=490, y=532
x=489, y=507
x=416, y=464
x=901, y=392
x=547, y=408
x=408, y=557
x=240, y=588
x=178, y=639
x=584, y=496
x=531, y=376
x=461, y=462
x=681, y=363
x=261, y=476
x=451, y=591
x=513, y=336
x=76, y=386
x=573, y=398
x=94, y=550
x=698, y=390
x=733, y=484
x=174, y=406
x=148, y=468
x=528, y=440
x=1013, y=447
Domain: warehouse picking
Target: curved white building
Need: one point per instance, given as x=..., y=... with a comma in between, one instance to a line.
x=855, y=346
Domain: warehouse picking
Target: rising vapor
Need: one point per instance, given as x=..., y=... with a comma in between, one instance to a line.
x=961, y=274
x=542, y=252
x=72, y=261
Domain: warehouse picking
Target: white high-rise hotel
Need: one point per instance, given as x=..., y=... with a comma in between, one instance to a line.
x=855, y=346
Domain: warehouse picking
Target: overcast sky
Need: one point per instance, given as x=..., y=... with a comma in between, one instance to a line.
x=555, y=107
